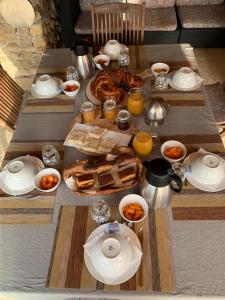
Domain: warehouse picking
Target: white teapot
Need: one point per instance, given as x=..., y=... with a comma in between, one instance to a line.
x=113, y=49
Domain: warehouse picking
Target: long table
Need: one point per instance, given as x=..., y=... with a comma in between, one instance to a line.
x=186, y=254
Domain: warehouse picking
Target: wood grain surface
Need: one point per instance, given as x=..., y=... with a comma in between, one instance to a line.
x=68, y=270
x=18, y=210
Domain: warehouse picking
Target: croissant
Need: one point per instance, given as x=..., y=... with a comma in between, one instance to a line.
x=106, y=85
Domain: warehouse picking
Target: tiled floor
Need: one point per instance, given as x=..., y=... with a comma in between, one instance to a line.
x=211, y=64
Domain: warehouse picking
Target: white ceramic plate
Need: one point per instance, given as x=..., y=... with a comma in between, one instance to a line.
x=36, y=95
x=198, y=84
x=199, y=185
x=130, y=272
x=39, y=166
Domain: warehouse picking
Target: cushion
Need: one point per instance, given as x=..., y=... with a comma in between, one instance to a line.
x=85, y=4
x=200, y=16
x=198, y=2
x=160, y=19
x=157, y=19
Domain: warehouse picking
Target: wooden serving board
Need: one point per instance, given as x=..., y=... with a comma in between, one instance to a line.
x=18, y=210
x=68, y=270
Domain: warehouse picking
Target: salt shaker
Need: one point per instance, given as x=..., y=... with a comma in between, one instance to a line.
x=51, y=156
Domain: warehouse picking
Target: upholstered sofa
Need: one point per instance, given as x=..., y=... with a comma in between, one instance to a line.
x=198, y=22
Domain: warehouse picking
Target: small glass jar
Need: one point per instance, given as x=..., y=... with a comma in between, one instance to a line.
x=135, y=101
x=88, y=112
x=142, y=143
x=161, y=81
x=123, y=120
x=71, y=73
x=51, y=156
x=109, y=110
x=100, y=212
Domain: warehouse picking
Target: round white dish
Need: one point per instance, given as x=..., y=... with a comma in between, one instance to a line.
x=45, y=172
x=173, y=143
x=36, y=95
x=123, y=48
x=204, y=187
x=199, y=81
x=159, y=66
x=38, y=165
x=71, y=94
x=106, y=58
x=130, y=199
x=130, y=271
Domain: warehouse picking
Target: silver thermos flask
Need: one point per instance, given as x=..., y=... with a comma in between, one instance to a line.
x=83, y=61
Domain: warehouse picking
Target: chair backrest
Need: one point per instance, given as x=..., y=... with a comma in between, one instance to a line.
x=117, y=21
x=11, y=97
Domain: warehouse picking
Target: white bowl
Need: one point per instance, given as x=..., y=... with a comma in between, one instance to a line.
x=133, y=198
x=106, y=58
x=71, y=82
x=45, y=172
x=112, y=48
x=207, y=168
x=173, y=143
x=159, y=67
x=19, y=174
x=184, y=78
x=46, y=85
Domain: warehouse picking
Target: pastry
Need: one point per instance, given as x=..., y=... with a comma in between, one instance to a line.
x=127, y=174
x=106, y=146
x=91, y=144
x=105, y=180
x=107, y=85
x=97, y=132
x=84, y=181
x=77, y=137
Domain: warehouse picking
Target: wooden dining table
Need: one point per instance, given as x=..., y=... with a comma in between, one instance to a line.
x=42, y=238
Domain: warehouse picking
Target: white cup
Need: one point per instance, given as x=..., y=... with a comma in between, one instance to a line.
x=158, y=68
x=46, y=85
x=19, y=175
x=112, y=48
x=184, y=78
x=102, y=57
x=207, y=169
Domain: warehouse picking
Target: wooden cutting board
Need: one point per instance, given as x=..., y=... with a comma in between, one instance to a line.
x=68, y=269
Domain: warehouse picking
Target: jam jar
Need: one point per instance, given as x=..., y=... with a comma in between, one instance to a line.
x=135, y=102
x=88, y=112
x=123, y=119
x=109, y=110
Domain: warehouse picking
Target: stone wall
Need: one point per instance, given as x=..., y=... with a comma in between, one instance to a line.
x=21, y=48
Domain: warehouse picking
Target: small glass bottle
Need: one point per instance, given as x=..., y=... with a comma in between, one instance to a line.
x=142, y=143
x=123, y=119
x=88, y=112
x=100, y=212
x=51, y=156
x=135, y=102
x=71, y=73
x=109, y=110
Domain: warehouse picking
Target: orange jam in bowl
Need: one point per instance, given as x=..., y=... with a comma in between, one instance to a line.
x=142, y=143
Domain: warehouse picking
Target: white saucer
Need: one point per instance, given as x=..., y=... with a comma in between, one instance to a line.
x=39, y=166
x=36, y=95
x=198, y=84
x=130, y=272
x=199, y=185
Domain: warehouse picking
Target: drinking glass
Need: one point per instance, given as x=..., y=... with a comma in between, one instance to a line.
x=161, y=81
x=100, y=212
x=71, y=73
x=51, y=156
x=178, y=168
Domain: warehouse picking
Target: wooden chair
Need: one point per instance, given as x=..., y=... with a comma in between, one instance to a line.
x=11, y=97
x=118, y=21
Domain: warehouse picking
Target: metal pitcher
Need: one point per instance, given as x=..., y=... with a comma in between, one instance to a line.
x=83, y=61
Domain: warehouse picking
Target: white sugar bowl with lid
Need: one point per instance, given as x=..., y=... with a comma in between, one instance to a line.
x=113, y=48
x=46, y=85
x=207, y=168
x=184, y=78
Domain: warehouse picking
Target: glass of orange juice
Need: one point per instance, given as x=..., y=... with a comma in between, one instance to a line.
x=135, y=101
x=142, y=142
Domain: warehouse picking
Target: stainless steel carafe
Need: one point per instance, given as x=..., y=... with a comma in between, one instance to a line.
x=158, y=183
x=83, y=61
x=156, y=111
